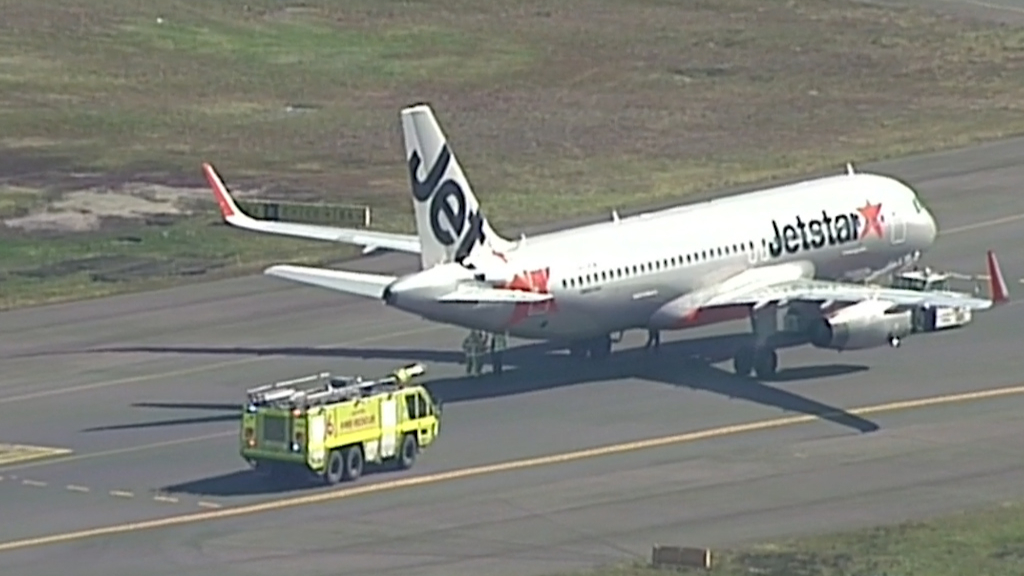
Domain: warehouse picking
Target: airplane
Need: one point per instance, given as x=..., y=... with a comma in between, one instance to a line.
x=807, y=251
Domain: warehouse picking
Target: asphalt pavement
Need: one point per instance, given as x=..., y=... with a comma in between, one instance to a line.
x=144, y=390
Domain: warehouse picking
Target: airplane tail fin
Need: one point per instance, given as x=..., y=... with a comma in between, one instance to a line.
x=449, y=222
x=997, y=290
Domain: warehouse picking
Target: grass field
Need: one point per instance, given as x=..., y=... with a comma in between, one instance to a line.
x=556, y=109
x=987, y=542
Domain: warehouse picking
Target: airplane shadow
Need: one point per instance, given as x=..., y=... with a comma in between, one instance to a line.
x=529, y=368
x=541, y=366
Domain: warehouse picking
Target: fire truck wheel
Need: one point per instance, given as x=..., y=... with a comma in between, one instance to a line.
x=335, y=467
x=353, y=462
x=407, y=456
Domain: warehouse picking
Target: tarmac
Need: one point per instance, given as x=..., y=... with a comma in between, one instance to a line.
x=552, y=468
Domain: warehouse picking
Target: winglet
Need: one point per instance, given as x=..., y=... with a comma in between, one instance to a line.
x=228, y=209
x=996, y=283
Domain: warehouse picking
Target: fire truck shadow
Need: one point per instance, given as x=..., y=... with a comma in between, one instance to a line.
x=246, y=483
x=231, y=413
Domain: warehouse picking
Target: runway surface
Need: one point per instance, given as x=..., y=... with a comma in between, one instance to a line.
x=144, y=389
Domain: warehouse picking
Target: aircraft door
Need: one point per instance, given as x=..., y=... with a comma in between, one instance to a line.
x=897, y=228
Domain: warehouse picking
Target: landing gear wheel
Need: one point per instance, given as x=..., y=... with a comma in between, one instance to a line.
x=353, y=462
x=407, y=456
x=335, y=471
x=766, y=362
x=743, y=361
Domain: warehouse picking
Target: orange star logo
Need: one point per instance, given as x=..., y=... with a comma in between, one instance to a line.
x=531, y=281
x=872, y=214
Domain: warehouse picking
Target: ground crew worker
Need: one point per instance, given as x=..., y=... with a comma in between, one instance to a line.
x=473, y=346
x=499, y=342
x=653, y=340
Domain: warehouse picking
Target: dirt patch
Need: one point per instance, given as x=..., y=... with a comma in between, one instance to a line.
x=90, y=209
x=120, y=268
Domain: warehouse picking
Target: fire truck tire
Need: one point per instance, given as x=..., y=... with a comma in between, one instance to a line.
x=353, y=462
x=407, y=456
x=335, y=470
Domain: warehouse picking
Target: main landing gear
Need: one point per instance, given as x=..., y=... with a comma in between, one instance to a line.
x=760, y=357
x=593, y=348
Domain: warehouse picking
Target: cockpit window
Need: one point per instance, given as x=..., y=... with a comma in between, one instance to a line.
x=917, y=205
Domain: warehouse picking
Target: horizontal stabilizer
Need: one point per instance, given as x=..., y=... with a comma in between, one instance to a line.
x=494, y=296
x=355, y=283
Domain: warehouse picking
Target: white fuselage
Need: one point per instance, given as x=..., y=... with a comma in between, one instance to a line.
x=625, y=274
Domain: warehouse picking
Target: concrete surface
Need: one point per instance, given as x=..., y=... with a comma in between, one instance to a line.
x=144, y=389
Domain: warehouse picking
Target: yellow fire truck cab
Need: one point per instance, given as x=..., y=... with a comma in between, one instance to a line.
x=333, y=425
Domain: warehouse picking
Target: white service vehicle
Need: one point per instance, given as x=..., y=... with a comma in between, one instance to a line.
x=932, y=318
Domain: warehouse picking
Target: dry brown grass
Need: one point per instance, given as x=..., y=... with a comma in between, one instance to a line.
x=556, y=108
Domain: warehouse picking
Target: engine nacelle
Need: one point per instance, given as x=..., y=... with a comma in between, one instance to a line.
x=867, y=324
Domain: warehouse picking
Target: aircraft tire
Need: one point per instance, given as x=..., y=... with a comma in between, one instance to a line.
x=766, y=363
x=743, y=361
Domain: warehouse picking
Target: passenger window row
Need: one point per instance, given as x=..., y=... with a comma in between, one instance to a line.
x=595, y=278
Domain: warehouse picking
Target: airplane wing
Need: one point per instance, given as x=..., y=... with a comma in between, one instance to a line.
x=374, y=285
x=828, y=291
x=356, y=283
x=368, y=239
x=469, y=294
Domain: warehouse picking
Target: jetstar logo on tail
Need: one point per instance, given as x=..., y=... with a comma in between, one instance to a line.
x=532, y=281
x=452, y=219
x=825, y=230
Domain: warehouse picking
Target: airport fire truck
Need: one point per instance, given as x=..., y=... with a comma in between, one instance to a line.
x=332, y=425
x=930, y=319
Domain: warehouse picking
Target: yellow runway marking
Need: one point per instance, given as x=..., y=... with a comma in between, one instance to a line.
x=205, y=504
x=169, y=499
x=76, y=488
x=121, y=494
x=11, y=453
x=459, y=474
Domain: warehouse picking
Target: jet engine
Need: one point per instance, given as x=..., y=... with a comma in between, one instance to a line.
x=867, y=324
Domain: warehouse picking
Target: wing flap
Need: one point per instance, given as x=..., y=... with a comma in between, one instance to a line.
x=824, y=290
x=467, y=294
x=355, y=283
x=371, y=240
